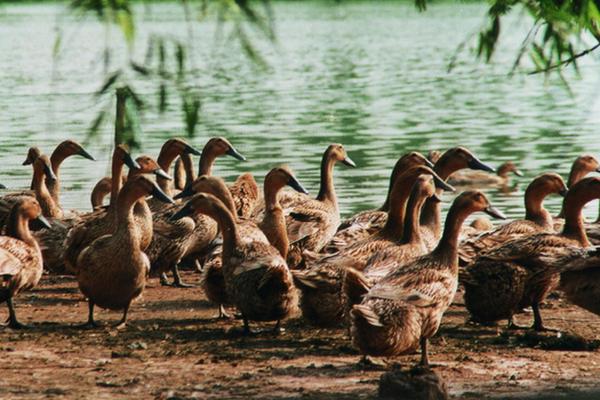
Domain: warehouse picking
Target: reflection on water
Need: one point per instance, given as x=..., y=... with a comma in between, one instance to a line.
x=370, y=75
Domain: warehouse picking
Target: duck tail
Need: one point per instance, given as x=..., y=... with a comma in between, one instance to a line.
x=354, y=286
x=366, y=313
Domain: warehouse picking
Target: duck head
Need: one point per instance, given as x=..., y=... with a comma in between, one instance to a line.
x=548, y=183
x=281, y=176
x=121, y=154
x=147, y=165
x=69, y=148
x=582, y=166
x=219, y=146
x=507, y=168
x=141, y=186
x=43, y=166
x=29, y=209
x=409, y=178
x=337, y=152
x=202, y=203
x=473, y=201
x=32, y=154
x=459, y=158
x=175, y=147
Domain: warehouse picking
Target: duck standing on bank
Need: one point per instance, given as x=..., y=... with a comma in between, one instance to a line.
x=21, y=263
x=405, y=308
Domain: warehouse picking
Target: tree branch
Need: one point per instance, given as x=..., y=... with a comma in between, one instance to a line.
x=567, y=61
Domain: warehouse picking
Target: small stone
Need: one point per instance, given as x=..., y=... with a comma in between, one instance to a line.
x=416, y=384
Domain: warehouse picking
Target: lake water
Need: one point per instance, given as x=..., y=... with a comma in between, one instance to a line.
x=371, y=75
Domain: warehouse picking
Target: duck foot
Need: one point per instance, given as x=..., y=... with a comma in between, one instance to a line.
x=89, y=325
x=164, y=281
x=15, y=324
x=277, y=329
x=223, y=314
x=367, y=363
x=543, y=328
x=512, y=326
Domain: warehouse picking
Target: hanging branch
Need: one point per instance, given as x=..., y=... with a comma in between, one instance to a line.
x=565, y=62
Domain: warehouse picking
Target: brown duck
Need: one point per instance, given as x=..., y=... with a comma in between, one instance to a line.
x=403, y=310
x=20, y=256
x=517, y=274
x=482, y=178
x=112, y=269
x=257, y=278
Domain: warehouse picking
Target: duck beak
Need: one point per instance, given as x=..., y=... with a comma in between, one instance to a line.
x=83, y=153
x=184, y=211
x=347, y=161
x=2, y=186
x=186, y=192
x=158, y=194
x=42, y=220
x=475, y=163
x=494, y=212
x=563, y=192
x=441, y=184
x=130, y=162
x=27, y=161
x=49, y=173
x=294, y=184
x=435, y=198
x=518, y=172
x=190, y=150
x=161, y=173
x=235, y=154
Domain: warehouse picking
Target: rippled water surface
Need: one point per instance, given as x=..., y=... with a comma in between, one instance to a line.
x=370, y=75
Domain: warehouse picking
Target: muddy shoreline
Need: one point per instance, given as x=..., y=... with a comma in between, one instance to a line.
x=175, y=348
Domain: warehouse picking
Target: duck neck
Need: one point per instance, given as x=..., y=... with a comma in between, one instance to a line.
x=228, y=229
x=164, y=161
x=273, y=223
x=393, y=176
x=412, y=228
x=18, y=227
x=116, y=179
x=327, y=190
x=431, y=215
x=188, y=167
x=126, y=227
x=49, y=207
x=534, y=208
x=56, y=160
x=226, y=198
x=394, y=227
x=447, y=248
x=574, y=225
x=207, y=160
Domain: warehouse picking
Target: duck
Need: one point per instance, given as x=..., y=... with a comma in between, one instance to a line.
x=170, y=150
x=450, y=161
x=98, y=223
x=516, y=274
x=581, y=167
x=21, y=264
x=537, y=219
x=405, y=308
x=270, y=230
x=312, y=222
x=365, y=223
x=257, y=278
x=42, y=169
x=183, y=174
x=482, y=178
x=356, y=283
x=321, y=282
x=112, y=269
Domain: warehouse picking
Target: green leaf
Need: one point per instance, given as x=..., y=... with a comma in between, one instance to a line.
x=109, y=82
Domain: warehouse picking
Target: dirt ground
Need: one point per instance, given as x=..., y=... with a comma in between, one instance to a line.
x=174, y=348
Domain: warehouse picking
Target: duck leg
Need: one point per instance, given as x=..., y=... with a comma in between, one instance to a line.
x=424, y=356
x=538, y=324
x=123, y=322
x=223, y=314
x=164, y=280
x=177, y=282
x=90, y=322
x=277, y=330
x=13, y=322
x=247, y=331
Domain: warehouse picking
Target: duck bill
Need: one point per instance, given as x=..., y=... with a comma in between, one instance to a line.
x=2, y=186
x=130, y=162
x=83, y=153
x=348, y=161
x=494, y=212
x=563, y=192
x=441, y=184
x=428, y=163
x=42, y=220
x=518, y=172
x=162, y=174
x=436, y=198
x=186, y=192
x=235, y=154
x=183, y=212
x=294, y=184
x=158, y=194
x=475, y=163
x=49, y=173
x=191, y=150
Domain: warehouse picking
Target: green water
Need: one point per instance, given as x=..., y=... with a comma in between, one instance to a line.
x=370, y=75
